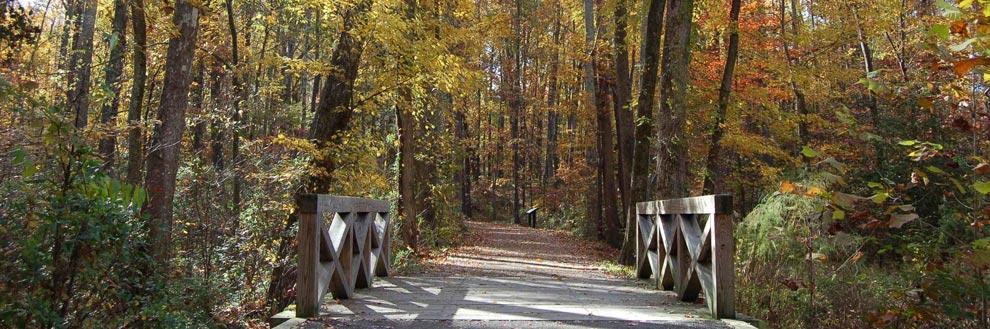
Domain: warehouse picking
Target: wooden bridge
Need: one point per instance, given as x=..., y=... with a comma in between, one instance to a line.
x=510, y=276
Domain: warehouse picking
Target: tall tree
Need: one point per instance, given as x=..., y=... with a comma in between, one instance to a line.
x=594, y=213
x=623, y=124
x=139, y=60
x=672, y=163
x=410, y=200
x=871, y=97
x=800, y=103
x=515, y=97
x=235, y=148
x=649, y=62
x=114, y=68
x=81, y=61
x=553, y=100
x=334, y=113
x=163, y=158
x=712, y=178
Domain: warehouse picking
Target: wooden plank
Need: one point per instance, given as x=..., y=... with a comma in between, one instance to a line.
x=307, y=279
x=351, y=204
x=384, y=258
x=686, y=284
x=704, y=250
x=706, y=204
x=646, y=239
x=723, y=267
x=646, y=208
x=321, y=203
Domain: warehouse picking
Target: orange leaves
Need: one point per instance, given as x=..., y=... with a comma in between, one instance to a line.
x=963, y=67
x=787, y=186
x=958, y=28
x=793, y=188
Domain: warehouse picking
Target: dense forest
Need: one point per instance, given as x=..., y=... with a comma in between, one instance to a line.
x=150, y=151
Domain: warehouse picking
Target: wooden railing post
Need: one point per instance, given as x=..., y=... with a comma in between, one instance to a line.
x=308, y=238
x=343, y=243
x=686, y=245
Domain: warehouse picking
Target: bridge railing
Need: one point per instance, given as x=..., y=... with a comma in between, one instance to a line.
x=343, y=243
x=686, y=245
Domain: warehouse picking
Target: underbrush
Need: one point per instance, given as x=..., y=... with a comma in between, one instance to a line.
x=800, y=265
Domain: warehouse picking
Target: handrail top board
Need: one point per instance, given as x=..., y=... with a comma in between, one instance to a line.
x=320, y=203
x=706, y=204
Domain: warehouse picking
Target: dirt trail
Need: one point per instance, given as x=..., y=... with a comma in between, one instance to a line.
x=506, y=250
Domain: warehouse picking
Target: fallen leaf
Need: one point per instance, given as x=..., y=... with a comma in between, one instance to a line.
x=964, y=66
x=958, y=27
x=897, y=220
x=982, y=169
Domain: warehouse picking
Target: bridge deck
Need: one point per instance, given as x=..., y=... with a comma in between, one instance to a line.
x=508, y=276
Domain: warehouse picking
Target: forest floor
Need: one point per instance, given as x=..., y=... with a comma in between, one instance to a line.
x=509, y=276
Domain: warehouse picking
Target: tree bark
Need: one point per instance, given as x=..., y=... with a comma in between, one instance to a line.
x=135, y=139
x=81, y=62
x=198, y=98
x=712, y=177
x=553, y=99
x=464, y=176
x=114, y=68
x=649, y=61
x=163, y=159
x=624, y=129
x=672, y=168
x=410, y=203
x=594, y=213
x=606, y=164
x=235, y=138
x=513, y=77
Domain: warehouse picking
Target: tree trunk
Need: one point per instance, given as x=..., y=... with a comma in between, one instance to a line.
x=799, y=101
x=606, y=164
x=334, y=113
x=871, y=97
x=114, y=68
x=553, y=99
x=672, y=168
x=712, y=178
x=624, y=129
x=513, y=77
x=216, y=127
x=467, y=151
x=135, y=139
x=235, y=138
x=198, y=98
x=409, y=207
x=163, y=160
x=410, y=203
x=649, y=61
x=81, y=62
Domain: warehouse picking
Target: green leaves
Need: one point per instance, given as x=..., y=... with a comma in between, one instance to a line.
x=940, y=31
x=808, y=152
x=114, y=190
x=982, y=187
x=29, y=168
